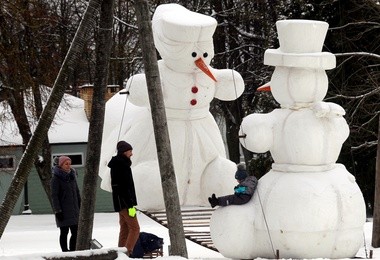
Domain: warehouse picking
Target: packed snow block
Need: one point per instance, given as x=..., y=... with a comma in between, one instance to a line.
x=307, y=205
x=286, y=133
x=314, y=82
x=184, y=40
x=303, y=215
x=276, y=57
x=318, y=214
x=148, y=173
x=301, y=36
x=173, y=22
x=301, y=43
x=232, y=230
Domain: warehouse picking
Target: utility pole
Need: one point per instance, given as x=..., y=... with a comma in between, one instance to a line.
x=376, y=208
x=161, y=132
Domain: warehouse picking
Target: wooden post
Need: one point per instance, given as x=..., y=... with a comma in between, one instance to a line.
x=376, y=208
x=103, y=52
x=161, y=132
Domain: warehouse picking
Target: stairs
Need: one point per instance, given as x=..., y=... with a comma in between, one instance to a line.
x=196, y=224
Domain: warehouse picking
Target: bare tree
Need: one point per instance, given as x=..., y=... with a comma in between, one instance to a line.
x=48, y=114
x=103, y=52
x=355, y=85
x=376, y=213
x=126, y=57
x=27, y=45
x=17, y=49
x=161, y=133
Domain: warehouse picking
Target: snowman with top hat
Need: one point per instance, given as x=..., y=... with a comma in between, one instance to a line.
x=307, y=205
x=184, y=41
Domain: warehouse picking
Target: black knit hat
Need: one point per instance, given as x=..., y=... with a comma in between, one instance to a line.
x=123, y=146
x=241, y=172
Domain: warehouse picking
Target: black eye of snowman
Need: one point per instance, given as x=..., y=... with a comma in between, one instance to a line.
x=194, y=54
x=205, y=55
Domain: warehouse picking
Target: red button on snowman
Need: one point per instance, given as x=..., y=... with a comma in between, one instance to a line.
x=184, y=40
x=307, y=205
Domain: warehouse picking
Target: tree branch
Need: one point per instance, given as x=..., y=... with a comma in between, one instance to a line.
x=367, y=54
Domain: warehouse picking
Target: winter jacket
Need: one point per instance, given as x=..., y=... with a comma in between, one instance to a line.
x=65, y=196
x=247, y=186
x=242, y=193
x=123, y=187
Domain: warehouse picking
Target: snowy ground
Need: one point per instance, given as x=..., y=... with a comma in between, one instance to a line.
x=38, y=235
x=29, y=237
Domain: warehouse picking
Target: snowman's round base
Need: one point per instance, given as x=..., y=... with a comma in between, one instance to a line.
x=307, y=215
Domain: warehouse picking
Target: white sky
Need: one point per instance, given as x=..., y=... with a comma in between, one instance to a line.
x=29, y=237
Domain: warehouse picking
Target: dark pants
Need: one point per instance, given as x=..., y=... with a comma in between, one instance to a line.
x=235, y=199
x=73, y=238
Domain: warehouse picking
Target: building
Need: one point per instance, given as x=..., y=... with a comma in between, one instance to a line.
x=68, y=135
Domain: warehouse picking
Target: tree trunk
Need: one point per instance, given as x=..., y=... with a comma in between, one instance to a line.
x=18, y=82
x=43, y=167
x=233, y=120
x=168, y=179
x=35, y=143
x=230, y=109
x=103, y=53
x=376, y=210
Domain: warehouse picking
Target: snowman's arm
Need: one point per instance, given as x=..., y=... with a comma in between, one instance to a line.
x=138, y=91
x=256, y=132
x=229, y=85
x=328, y=109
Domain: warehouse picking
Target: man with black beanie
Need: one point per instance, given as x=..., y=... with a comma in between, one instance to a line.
x=124, y=196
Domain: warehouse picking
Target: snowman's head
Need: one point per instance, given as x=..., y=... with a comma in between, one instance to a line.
x=183, y=37
x=299, y=79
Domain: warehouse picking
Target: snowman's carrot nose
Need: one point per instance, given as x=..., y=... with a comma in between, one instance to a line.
x=264, y=88
x=203, y=67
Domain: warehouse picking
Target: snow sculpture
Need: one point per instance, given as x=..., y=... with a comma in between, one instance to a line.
x=306, y=206
x=184, y=41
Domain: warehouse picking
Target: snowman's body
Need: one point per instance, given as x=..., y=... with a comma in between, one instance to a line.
x=198, y=151
x=307, y=206
x=286, y=133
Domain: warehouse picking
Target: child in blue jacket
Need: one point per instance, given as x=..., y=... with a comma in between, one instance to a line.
x=243, y=192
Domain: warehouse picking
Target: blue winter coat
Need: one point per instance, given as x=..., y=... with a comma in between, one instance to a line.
x=65, y=196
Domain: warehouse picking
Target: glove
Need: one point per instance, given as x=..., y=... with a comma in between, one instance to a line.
x=213, y=201
x=132, y=212
x=59, y=216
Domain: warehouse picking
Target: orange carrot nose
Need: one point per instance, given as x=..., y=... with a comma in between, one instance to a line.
x=264, y=88
x=203, y=67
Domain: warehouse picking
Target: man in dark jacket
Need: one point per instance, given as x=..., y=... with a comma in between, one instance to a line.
x=242, y=192
x=124, y=195
x=66, y=201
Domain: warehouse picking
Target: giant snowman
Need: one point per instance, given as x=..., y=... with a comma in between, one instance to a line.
x=307, y=205
x=184, y=41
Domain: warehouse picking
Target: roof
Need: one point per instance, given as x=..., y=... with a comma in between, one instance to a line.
x=70, y=124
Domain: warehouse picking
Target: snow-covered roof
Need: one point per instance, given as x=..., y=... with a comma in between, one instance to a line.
x=70, y=124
